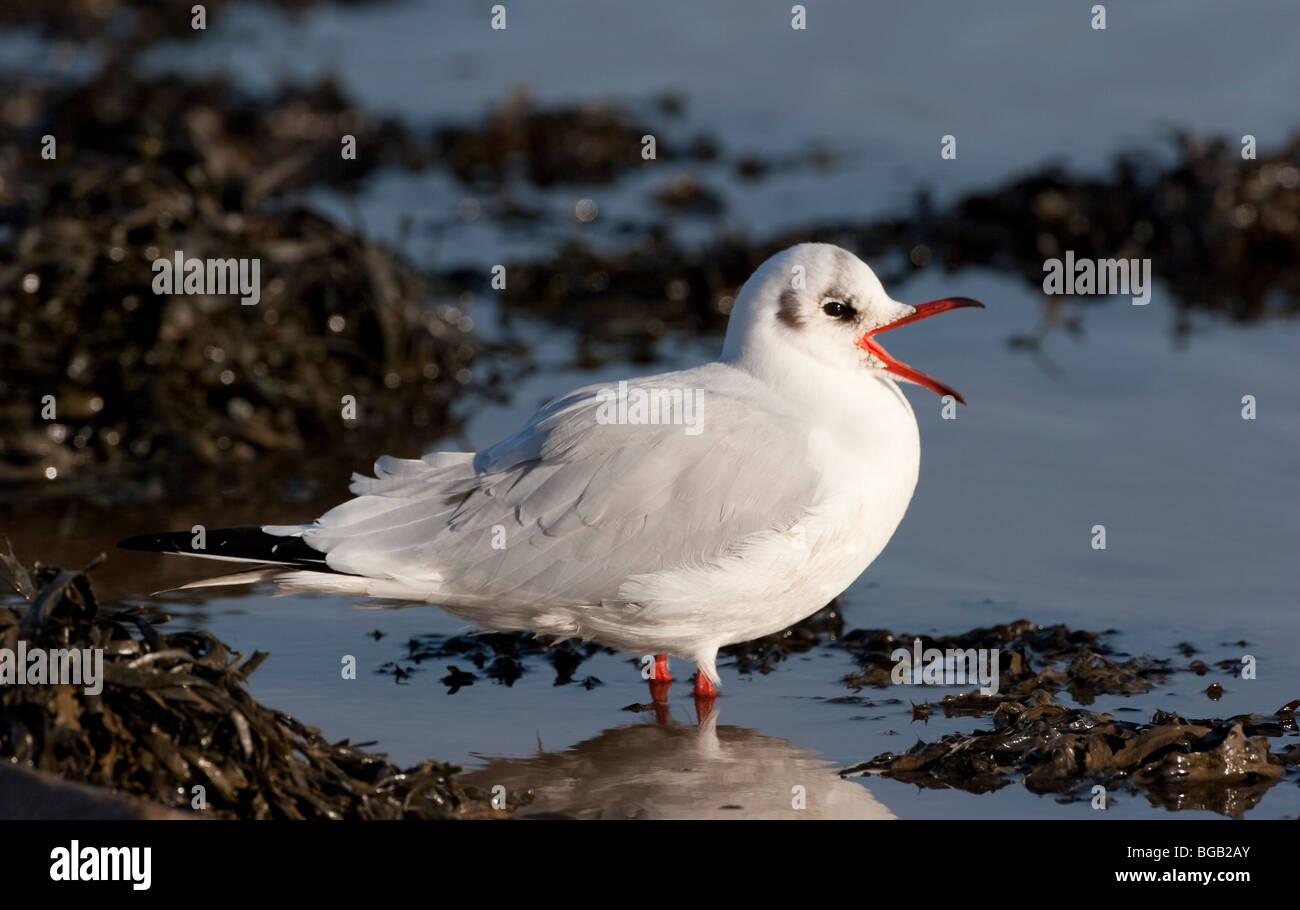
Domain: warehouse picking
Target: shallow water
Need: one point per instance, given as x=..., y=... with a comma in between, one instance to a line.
x=1120, y=427
x=1132, y=434
x=1017, y=82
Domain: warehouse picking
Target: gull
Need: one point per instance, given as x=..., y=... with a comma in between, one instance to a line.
x=652, y=533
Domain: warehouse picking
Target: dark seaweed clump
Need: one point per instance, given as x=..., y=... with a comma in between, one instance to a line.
x=1073, y=660
x=147, y=168
x=1223, y=232
x=136, y=24
x=175, y=713
x=500, y=656
x=1221, y=765
x=1223, y=235
x=591, y=144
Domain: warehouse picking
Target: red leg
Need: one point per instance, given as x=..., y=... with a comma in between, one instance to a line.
x=705, y=695
x=660, y=679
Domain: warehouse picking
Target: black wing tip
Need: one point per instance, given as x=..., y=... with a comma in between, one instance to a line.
x=160, y=542
x=251, y=544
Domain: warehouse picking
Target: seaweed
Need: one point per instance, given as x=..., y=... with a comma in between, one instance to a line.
x=1223, y=764
x=500, y=656
x=101, y=371
x=1073, y=660
x=175, y=723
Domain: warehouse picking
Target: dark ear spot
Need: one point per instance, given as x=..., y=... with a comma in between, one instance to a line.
x=788, y=309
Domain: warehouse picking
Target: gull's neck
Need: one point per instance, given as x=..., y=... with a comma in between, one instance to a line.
x=826, y=393
x=862, y=435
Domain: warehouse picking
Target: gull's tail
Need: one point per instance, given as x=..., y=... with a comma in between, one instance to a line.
x=287, y=560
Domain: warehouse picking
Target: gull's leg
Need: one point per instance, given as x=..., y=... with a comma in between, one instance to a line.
x=704, y=687
x=706, y=670
x=705, y=695
x=660, y=679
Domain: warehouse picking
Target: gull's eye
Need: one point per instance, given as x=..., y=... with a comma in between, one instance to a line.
x=838, y=309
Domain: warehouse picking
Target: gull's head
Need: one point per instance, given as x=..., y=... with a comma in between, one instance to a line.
x=823, y=302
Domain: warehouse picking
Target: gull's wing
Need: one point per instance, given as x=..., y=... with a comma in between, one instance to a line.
x=570, y=507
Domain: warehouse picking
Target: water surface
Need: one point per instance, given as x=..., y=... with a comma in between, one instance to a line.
x=1121, y=427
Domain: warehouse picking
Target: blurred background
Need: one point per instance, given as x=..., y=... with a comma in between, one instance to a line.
x=523, y=147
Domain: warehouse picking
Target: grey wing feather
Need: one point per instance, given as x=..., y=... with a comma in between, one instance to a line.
x=571, y=506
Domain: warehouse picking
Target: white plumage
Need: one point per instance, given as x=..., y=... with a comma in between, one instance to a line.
x=645, y=537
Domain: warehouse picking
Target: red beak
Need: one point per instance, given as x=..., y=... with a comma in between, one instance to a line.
x=897, y=367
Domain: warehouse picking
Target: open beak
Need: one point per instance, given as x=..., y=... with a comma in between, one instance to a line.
x=897, y=367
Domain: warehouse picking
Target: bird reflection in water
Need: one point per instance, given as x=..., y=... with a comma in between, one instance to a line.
x=663, y=769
